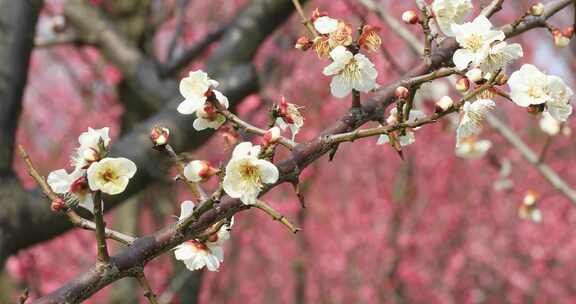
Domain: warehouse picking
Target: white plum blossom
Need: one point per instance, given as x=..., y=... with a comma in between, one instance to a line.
x=246, y=173
x=89, y=149
x=194, y=88
x=198, y=171
x=208, y=117
x=559, y=105
x=530, y=86
x=471, y=148
x=475, y=39
x=474, y=114
x=499, y=55
x=408, y=138
x=196, y=254
x=325, y=25
x=111, y=175
x=73, y=186
x=350, y=72
x=448, y=12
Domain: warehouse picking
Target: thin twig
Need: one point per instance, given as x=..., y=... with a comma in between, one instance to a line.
x=305, y=20
x=548, y=173
x=275, y=215
x=351, y=136
x=180, y=164
x=232, y=118
x=146, y=287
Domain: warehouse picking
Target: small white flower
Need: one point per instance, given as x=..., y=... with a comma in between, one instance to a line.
x=207, y=117
x=193, y=88
x=529, y=86
x=499, y=55
x=89, y=149
x=472, y=118
x=350, y=72
x=111, y=175
x=475, y=39
x=196, y=254
x=198, y=171
x=450, y=12
x=74, y=187
x=559, y=105
x=325, y=25
x=408, y=138
x=549, y=125
x=246, y=174
x=472, y=148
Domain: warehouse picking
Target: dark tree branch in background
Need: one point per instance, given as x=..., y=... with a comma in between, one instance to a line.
x=180, y=17
x=17, y=28
x=173, y=66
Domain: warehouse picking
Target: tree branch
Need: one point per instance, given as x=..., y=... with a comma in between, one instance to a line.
x=17, y=30
x=148, y=247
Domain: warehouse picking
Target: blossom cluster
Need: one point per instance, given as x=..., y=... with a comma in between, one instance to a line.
x=483, y=55
x=93, y=171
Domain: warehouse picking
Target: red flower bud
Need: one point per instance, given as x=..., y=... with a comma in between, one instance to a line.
x=57, y=205
x=401, y=92
x=159, y=136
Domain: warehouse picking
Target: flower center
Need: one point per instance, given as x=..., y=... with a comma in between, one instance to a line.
x=351, y=71
x=250, y=173
x=535, y=91
x=474, y=43
x=108, y=175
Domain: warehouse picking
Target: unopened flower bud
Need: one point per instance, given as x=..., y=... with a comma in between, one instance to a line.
x=159, y=136
x=535, y=108
x=199, y=171
x=537, y=9
x=410, y=17
x=475, y=75
x=401, y=93
x=463, y=84
x=271, y=136
x=530, y=198
x=57, y=204
x=560, y=41
x=303, y=43
x=443, y=104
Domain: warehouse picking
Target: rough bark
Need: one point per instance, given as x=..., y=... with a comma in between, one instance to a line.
x=17, y=28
